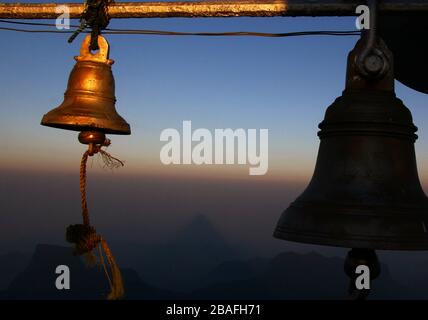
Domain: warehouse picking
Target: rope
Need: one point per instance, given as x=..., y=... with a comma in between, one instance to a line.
x=116, y=284
x=85, y=212
x=84, y=236
x=94, y=16
x=100, y=252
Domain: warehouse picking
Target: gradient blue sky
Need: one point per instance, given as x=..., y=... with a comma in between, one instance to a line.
x=283, y=84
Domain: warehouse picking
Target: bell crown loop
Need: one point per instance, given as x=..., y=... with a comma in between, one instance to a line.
x=102, y=55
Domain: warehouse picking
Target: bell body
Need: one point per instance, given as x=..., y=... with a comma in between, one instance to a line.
x=403, y=33
x=89, y=101
x=365, y=191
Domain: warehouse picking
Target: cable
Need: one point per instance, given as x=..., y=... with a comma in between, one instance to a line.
x=212, y=34
x=219, y=34
x=33, y=23
x=34, y=31
x=173, y=33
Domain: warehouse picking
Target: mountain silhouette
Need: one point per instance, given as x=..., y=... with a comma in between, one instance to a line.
x=197, y=263
x=297, y=276
x=235, y=270
x=410, y=269
x=180, y=262
x=37, y=280
x=201, y=229
x=286, y=276
x=10, y=265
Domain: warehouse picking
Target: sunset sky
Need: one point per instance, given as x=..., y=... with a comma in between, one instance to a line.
x=280, y=84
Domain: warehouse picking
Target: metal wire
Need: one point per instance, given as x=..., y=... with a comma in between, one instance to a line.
x=175, y=33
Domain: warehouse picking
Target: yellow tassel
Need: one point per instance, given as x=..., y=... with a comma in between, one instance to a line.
x=90, y=259
x=116, y=284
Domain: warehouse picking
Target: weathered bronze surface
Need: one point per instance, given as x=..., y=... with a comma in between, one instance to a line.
x=89, y=102
x=200, y=9
x=365, y=191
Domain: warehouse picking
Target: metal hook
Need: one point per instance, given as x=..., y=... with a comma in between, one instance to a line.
x=372, y=62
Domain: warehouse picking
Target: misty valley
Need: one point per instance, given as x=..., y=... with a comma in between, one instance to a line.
x=197, y=263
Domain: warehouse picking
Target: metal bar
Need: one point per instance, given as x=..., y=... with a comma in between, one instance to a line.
x=199, y=9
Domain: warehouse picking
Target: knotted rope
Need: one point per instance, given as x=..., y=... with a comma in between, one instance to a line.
x=84, y=236
x=96, y=17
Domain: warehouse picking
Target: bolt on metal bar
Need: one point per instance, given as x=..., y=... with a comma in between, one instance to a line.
x=200, y=9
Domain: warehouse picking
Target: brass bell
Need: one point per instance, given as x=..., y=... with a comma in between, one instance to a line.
x=89, y=101
x=365, y=191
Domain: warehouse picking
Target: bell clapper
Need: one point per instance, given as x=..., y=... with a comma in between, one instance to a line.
x=95, y=140
x=361, y=257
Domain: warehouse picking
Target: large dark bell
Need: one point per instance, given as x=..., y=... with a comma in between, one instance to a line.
x=365, y=191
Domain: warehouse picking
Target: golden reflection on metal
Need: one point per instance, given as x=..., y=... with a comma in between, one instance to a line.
x=89, y=101
x=195, y=9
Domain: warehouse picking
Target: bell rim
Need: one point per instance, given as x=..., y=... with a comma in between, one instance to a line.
x=299, y=236
x=125, y=130
x=322, y=215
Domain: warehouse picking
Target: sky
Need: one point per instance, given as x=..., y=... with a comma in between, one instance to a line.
x=280, y=84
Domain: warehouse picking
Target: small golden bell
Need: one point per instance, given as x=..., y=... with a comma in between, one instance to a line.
x=89, y=103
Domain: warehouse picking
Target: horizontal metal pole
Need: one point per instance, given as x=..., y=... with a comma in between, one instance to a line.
x=199, y=9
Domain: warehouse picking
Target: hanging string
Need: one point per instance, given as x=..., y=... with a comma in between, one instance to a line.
x=110, y=161
x=85, y=237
